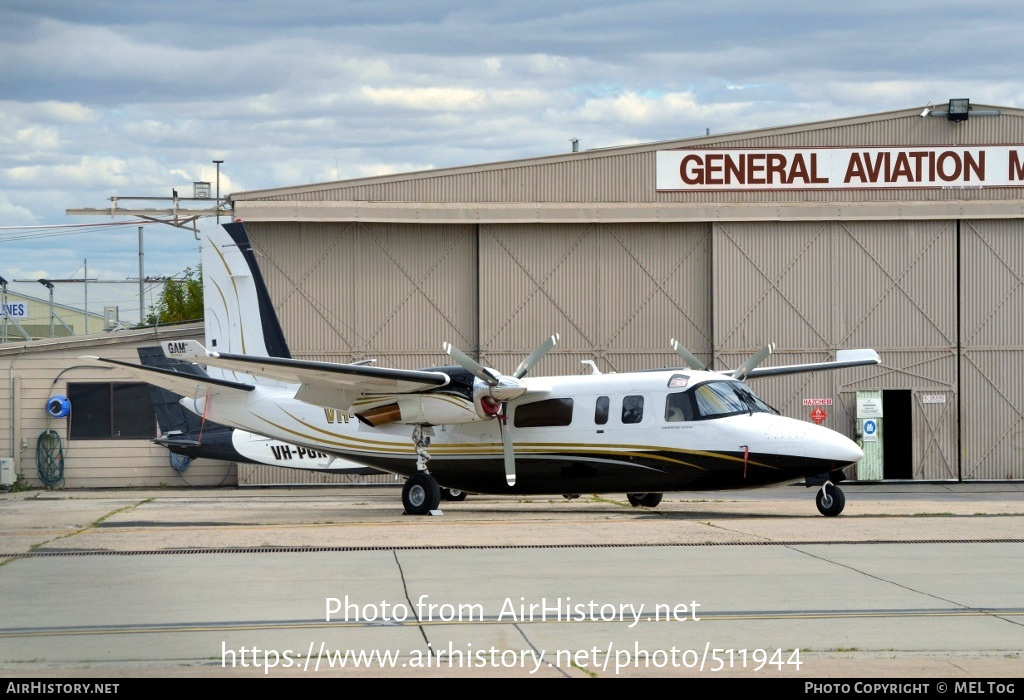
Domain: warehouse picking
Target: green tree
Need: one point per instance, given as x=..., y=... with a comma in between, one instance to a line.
x=181, y=299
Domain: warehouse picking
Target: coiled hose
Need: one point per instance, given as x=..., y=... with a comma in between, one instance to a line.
x=50, y=459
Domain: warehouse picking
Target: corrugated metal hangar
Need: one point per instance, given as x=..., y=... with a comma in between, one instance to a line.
x=901, y=231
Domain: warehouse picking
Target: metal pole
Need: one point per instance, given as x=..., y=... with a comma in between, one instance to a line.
x=3, y=285
x=85, y=282
x=142, y=282
x=51, y=310
x=218, y=162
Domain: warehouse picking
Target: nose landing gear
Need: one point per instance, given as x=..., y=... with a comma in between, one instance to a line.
x=830, y=499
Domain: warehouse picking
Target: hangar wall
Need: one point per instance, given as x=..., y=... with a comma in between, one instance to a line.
x=991, y=352
x=587, y=245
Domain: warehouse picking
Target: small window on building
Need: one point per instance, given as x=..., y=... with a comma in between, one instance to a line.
x=601, y=410
x=550, y=412
x=632, y=409
x=105, y=411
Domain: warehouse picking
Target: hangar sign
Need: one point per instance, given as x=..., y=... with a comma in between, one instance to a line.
x=840, y=168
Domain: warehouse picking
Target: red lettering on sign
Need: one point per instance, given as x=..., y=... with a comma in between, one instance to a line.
x=1016, y=166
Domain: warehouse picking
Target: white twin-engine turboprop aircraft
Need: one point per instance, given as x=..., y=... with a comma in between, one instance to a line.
x=470, y=428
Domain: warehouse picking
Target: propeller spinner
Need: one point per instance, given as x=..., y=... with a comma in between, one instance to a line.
x=502, y=388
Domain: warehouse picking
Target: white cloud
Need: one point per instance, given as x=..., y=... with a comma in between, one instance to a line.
x=450, y=99
x=12, y=214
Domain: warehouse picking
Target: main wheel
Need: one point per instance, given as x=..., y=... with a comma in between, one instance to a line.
x=649, y=500
x=830, y=500
x=421, y=494
x=453, y=494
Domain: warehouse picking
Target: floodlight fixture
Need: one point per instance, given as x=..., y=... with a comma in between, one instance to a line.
x=959, y=110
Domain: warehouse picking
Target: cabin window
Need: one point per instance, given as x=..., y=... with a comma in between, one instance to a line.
x=678, y=407
x=632, y=409
x=601, y=410
x=106, y=411
x=717, y=399
x=550, y=412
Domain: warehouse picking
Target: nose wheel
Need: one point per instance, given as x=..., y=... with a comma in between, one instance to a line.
x=830, y=499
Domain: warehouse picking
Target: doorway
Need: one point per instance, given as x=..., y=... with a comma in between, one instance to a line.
x=898, y=460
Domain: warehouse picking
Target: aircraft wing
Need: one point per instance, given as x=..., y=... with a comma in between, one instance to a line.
x=321, y=383
x=844, y=358
x=178, y=382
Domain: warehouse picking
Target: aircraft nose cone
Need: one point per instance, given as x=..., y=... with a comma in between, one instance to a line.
x=843, y=450
x=835, y=447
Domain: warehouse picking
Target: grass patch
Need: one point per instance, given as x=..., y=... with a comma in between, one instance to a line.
x=119, y=510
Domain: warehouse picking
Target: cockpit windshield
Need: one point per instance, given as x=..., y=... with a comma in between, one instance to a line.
x=714, y=400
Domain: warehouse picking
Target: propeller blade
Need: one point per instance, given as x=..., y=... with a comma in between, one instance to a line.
x=535, y=356
x=509, y=450
x=478, y=370
x=753, y=361
x=691, y=360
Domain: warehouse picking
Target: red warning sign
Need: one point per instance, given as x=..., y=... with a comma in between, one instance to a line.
x=818, y=415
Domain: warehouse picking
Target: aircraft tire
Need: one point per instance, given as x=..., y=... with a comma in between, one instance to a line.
x=651, y=500
x=648, y=500
x=832, y=502
x=452, y=494
x=421, y=494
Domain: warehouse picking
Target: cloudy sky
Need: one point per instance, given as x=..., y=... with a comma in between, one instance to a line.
x=135, y=97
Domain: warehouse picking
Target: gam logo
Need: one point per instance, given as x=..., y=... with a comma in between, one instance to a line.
x=178, y=348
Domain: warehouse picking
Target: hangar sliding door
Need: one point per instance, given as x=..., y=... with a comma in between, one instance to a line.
x=394, y=292
x=816, y=287
x=616, y=293
x=992, y=369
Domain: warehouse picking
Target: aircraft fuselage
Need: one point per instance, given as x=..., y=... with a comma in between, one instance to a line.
x=629, y=432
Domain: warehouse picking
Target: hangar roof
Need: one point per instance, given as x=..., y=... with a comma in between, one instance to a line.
x=621, y=184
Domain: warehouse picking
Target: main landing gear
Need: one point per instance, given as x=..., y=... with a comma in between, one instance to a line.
x=648, y=500
x=830, y=499
x=421, y=494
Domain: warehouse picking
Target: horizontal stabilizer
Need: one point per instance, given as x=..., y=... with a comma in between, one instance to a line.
x=178, y=382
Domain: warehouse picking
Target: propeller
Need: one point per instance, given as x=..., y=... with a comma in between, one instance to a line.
x=691, y=360
x=753, y=361
x=502, y=388
x=739, y=373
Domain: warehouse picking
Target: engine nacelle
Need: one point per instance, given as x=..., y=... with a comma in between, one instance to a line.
x=422, y=409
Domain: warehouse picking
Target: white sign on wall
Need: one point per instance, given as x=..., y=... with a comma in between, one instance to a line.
x=840, y=168
x=17, y=309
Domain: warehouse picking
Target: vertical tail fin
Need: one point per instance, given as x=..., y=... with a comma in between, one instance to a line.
x=239, y=315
